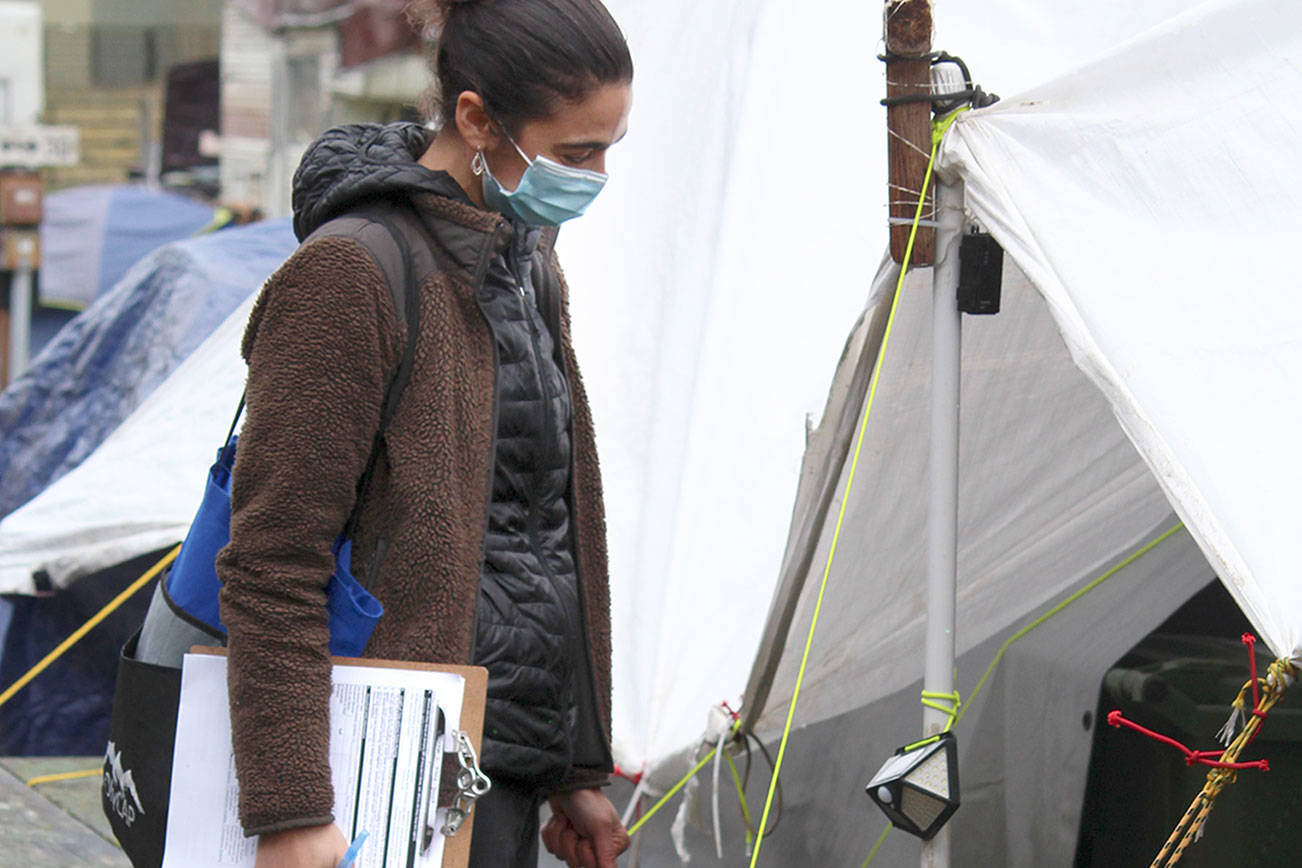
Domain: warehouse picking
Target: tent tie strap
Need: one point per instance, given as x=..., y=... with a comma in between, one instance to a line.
x=684, y=780
x=1265, y=693
x=1191, y=757
x=949, y=704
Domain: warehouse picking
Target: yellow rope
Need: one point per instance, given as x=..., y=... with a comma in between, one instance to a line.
x=937, y=133
x=632, y=830
x=81, y=631
x=959, y=709
x=881, y=839
x=949, y=704
x=1058, y=608
x=64, y=776
x=741, y=797
x=1188, y=830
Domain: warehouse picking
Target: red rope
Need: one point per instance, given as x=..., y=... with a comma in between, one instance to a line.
x=1251, y=641
x=1191, y=757
x=635, y=779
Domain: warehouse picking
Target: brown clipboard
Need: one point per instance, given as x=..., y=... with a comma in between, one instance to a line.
x=456, y=850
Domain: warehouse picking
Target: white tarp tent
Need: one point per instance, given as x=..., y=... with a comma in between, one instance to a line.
x=1141, y=208
x=1154, y=213
x=1140, y=196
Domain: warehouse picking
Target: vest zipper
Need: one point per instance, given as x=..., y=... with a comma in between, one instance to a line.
x=477, y=283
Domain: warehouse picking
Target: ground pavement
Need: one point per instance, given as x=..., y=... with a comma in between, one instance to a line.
x=55, y=825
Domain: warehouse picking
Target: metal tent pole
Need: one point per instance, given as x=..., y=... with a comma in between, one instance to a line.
x=942, y=511
x=20, y=319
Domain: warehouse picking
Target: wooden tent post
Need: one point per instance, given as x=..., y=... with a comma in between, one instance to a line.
x=907, y=27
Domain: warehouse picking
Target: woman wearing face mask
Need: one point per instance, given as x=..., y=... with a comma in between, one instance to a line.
x=482, y=530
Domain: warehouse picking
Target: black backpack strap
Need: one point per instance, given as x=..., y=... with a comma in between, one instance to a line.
x=396, y=238
x=402, y=252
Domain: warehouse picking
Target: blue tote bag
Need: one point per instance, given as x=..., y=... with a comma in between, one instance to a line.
x=192, y=582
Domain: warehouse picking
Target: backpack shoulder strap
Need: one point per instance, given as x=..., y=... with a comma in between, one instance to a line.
x=399, y=243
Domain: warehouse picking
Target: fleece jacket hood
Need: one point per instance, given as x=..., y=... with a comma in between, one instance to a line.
x=354, y=163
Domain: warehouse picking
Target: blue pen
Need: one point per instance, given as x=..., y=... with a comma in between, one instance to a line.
x=351, y=856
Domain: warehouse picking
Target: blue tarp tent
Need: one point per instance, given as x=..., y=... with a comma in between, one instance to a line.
x=77, y=391
x=91, y=236
x=104, y=362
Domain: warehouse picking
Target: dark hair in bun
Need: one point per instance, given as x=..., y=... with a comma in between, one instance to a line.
x=522, y=56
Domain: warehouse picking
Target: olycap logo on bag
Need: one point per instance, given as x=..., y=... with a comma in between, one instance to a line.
x=120, y=786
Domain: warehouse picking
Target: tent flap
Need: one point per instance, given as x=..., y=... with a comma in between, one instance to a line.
x=1151, y=216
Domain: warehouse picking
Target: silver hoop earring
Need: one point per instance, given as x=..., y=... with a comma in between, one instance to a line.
x=477, y=164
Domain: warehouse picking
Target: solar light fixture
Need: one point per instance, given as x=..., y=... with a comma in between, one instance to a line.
x=980, y=274
x=917, y=788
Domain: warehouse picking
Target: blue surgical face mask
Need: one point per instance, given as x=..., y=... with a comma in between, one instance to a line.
x=548, y=193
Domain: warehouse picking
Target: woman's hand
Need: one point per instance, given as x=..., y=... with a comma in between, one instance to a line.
x=584, y=830
x=308, y=847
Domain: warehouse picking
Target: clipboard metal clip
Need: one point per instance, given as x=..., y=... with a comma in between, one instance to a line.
x=471, y=784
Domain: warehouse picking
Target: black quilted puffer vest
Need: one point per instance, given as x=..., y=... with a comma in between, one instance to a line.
x=528, y=610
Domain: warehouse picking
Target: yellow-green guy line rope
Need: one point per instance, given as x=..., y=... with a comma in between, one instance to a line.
x=741, y=797
x=632, y=830
x=1027, y=629
x=88, y=626
x=937, y=133
x=1058, y=608
x=881, y=839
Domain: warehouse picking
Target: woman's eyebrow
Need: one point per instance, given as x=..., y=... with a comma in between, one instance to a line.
x=593, y=145
x=585, y=146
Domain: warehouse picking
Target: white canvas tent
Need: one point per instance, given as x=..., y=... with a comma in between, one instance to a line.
x=1141, y=375
x=1133, y=224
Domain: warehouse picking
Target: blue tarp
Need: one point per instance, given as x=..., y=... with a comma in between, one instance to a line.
x=65, y=712
x=91, y=236
x=112, y=355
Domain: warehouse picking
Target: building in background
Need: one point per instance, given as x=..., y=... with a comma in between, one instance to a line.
x=106, y=64
x=293, y=68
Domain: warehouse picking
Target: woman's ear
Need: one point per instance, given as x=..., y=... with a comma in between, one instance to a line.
x=475, y=127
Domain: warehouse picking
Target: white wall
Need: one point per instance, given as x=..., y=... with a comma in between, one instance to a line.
x=22, y=87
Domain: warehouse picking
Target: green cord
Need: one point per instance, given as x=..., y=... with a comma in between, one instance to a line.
x=880, y=840
x=938, y=131
x=632, y=830
x=1058, y=608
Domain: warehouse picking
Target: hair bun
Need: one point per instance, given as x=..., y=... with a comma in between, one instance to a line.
x=435, y=12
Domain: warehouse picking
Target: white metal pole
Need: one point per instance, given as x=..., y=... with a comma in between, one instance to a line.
x=20, y=319
x=942, y=512
x=276, y=194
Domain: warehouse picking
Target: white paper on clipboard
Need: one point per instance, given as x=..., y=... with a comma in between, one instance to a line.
x=384, y=738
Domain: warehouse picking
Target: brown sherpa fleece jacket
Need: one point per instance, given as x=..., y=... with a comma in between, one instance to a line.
x=322, y=345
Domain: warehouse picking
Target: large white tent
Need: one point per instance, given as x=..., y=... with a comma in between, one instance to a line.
x=1145, y=387
x=714, y=281
x=1139, y=208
